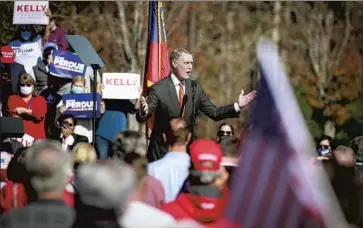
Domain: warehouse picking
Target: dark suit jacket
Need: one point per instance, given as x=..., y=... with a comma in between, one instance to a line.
x=163, y=101
x=40, y=214
x=15, y=71
x=77, y=139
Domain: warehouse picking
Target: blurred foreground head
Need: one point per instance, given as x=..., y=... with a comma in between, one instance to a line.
x=206, y=156
x=178, y=133
x=105, y=185
x=131, y=147
x=48, y=166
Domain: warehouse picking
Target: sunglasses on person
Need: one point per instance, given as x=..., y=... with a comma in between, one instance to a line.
x=27, y=85
x=324, y=147
x=25, y=28
x=221, y=133
x=68, y=124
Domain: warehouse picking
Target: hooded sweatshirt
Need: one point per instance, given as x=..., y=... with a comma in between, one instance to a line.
x=206, y=205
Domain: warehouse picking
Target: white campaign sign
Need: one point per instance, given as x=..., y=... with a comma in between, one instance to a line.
x=121, y=86
x=26, y=140
x=30, y=12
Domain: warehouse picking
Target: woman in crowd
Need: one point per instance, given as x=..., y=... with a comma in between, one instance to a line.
x=84, y=126
x=224, y=130
x=41, y=70
x=83, y=153
x=30, y=107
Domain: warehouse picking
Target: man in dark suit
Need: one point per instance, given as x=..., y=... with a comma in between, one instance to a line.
x=166, y=98
x=49, y=169
x=66, y=134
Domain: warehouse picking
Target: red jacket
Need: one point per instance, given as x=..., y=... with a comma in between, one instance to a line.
x=8, y=201
x=207, y=211
x=32, y=126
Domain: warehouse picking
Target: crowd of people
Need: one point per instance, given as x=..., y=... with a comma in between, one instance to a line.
x=62, y=180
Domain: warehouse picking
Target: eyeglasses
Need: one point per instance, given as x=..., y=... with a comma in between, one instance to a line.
x=27, y=85
x=25, y=28
x=325, y=147
x=221, y=133
x=68, y=124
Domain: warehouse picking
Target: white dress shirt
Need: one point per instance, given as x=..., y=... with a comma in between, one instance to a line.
x=67, y=141
x=172, y=170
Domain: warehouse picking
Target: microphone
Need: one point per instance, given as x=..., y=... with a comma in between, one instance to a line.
x=182, y=108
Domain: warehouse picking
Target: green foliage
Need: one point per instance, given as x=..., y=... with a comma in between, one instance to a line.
x=355, y=109
x=6, y=22
x=307, y=111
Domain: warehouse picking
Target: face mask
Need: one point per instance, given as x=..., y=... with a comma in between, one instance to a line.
x=26, y=90
x=324, y=151
x=26, y=35
x=77, y=89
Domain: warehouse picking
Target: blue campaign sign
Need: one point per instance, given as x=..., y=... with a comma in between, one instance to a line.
x=66, y=65
x=81, y=105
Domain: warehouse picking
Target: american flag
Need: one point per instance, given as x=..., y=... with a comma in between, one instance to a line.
x=275, y=185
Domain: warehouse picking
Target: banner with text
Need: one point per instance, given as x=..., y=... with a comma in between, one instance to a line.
x=121, y=86
x=67, y=65
x=81, y=105
x=30, y=13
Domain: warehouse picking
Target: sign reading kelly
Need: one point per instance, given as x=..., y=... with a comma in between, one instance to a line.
x=121, y=86
x=81, y=105
x=67, y=65
x=30, y=12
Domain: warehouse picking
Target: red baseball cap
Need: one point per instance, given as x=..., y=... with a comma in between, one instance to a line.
x=206, y=155
x=7, y=54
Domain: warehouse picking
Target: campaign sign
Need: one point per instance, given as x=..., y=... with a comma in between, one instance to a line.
x=67, y=65
x=121, y=86
x=26, y=140
x=81, y=105
x=30, y=12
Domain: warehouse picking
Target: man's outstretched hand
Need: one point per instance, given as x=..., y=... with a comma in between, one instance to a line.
x=244, y=100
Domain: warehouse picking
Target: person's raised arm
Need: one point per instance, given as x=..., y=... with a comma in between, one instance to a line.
x=146, y=106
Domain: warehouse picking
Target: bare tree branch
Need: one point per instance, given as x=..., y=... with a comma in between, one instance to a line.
x=177, y=19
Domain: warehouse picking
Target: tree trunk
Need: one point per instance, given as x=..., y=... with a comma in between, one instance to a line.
x=329, y=128
x=276, y=22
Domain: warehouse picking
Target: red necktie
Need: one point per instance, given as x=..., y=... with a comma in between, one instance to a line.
x=181, y=94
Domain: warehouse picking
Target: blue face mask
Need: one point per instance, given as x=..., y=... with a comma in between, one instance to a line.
x=77, y=89
x=26, y=35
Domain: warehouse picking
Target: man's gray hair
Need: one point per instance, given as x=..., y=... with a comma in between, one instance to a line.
x=105, y=185
x=127, y=142
x=49, y=166
x=174, y=56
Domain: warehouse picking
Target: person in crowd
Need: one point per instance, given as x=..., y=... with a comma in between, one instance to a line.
x=57, y=35
x=48, y=168
x=166, y=97
x=224, y=130
x=344, y=185
x=66, y=135
x=113, y=121
x=230, y=148
x=173, y=169
x=324, y=146
x=137, y=208
x=130, y=146
x=41, y=70
x=16, y=193
x=28, y=47
x=83, y=153
x=103, y=191
x=10, y=74
x=30, y=107
x=84, y=126
x=4, y=163
x=206, y=196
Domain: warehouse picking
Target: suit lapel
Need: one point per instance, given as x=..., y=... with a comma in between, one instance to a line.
x=173, y=95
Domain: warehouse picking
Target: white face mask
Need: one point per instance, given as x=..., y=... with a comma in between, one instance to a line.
x=26, y=90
